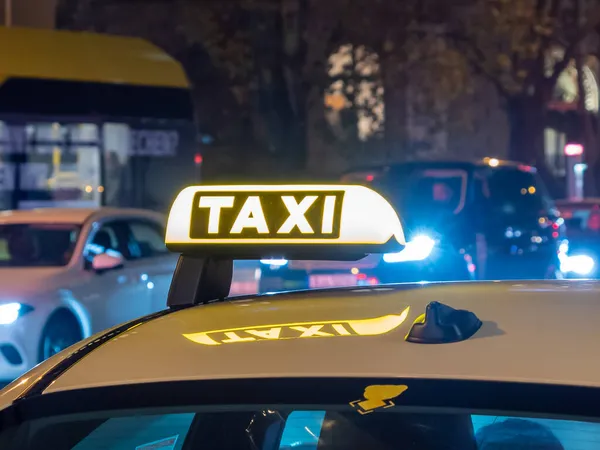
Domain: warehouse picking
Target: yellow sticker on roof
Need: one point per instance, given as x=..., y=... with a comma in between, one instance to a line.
x=269, y=215
x=378, y=396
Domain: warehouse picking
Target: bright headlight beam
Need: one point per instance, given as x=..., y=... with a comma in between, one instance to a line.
x=579, y=264
x=417, y=249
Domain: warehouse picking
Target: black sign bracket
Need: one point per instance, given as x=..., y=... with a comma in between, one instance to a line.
x=199, y=281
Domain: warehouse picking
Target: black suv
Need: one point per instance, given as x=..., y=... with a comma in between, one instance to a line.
x=489, y=219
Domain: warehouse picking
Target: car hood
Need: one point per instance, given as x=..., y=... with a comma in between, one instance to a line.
x=25, y=282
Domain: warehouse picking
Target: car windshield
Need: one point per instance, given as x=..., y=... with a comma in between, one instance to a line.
x=37, y=245
x=286, y=428
x=424, y=190
x=311, y=413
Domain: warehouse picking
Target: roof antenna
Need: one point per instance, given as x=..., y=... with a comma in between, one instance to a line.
x=443, y=324
x=205, y=280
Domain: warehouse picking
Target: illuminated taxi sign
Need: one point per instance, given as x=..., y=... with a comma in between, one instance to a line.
x=279, y=215
x=302, y=330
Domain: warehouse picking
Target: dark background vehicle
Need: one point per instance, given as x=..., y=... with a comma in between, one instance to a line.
x=582, y=219
x=489, y=219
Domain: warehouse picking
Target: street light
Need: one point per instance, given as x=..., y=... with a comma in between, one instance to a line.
x=575, y=170
x=573, y=150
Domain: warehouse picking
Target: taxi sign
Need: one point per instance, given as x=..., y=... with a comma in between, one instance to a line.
x=261, y=220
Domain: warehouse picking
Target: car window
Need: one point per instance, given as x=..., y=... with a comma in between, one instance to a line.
x=110, y=236
x=284, y=429
x=516, y=193
x=37, y=245
x=425, y=190
x=148, y=239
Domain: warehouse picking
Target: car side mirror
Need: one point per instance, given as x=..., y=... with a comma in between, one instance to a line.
x=107, y=261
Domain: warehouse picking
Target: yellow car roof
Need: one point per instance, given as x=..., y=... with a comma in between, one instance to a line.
x=538, y=332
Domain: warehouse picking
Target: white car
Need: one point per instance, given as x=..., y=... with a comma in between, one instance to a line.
x=68, y=273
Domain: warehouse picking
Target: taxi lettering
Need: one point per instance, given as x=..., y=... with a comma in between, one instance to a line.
x=362, y=327
x=267, y=215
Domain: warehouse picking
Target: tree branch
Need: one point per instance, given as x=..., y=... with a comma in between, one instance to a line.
x=571, y=50
x=552, y=11
x=474, y=57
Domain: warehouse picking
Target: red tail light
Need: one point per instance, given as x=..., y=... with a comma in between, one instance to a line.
x=359, y=177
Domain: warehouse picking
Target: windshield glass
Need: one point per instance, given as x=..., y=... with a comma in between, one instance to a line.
x=307, y=429
x=425, y=190
x=37, y=245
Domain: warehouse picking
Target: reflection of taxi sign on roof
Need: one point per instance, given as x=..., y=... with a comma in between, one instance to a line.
x=204, y=219
x=212, y=225
x=323, y=329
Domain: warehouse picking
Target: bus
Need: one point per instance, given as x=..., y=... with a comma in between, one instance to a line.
x=89, y=120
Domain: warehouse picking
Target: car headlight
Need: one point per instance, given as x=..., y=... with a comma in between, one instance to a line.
x=417, y=249
x=10, y=312
x=274, y=262
x=579, y=264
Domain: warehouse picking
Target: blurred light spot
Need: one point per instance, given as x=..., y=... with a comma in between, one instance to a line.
x=573, y=149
